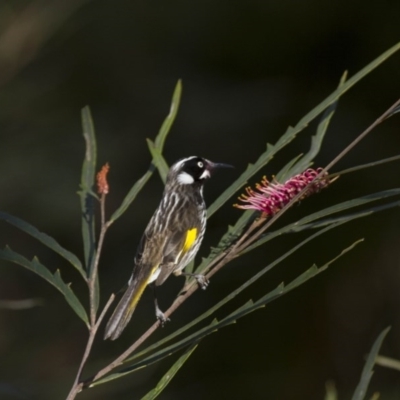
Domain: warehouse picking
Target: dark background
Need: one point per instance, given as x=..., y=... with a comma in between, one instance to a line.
x=249, y=69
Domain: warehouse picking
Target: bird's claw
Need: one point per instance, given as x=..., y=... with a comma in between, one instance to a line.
x=161, y=317
x=202, y=281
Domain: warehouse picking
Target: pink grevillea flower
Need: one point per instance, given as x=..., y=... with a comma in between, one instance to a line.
x=270, y=197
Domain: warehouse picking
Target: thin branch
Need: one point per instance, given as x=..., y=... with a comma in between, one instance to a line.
x=92, y=280
x=228, y=255
x=364, y=166
x=76, y=387
x=378, y=121
x=93, y=275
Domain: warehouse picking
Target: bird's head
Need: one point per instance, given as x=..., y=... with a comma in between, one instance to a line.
x=193, y=170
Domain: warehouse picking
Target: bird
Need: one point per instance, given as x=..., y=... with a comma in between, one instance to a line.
x=171, y=239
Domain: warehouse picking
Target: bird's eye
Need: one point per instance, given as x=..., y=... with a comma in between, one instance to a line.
x=200, y=164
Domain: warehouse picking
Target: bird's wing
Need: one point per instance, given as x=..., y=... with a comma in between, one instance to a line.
x=182, y=236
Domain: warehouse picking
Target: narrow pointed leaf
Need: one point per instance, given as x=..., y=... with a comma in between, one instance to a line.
x=227, y=239
x=349, y=217
x=285, y=172
x=216, y=325
x=133, y=192
x=314, y=270
x=316, y=141
x=367, y=165
x=232, y=295
x=291, y=132
x=170, y=374
x=169, y=120
x=251, y=306
x=158, y=160
x=245, y=309
x=35, y=266
x=70, y=296
x=159, y=145
x=163, y=353
x=367, y=372
x=346, y=205
x=86, y=188
x=45, y=239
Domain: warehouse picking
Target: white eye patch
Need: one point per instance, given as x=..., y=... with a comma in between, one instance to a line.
x=200, y=164
x=185, y=179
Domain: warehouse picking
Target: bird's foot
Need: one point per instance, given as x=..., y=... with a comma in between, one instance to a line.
x=202, y=281
x=161, y=317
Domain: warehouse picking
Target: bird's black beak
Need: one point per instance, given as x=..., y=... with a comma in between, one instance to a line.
x=213, y=165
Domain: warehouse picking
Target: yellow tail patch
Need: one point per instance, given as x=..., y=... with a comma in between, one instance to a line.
x=191, y=236
x=139, y=291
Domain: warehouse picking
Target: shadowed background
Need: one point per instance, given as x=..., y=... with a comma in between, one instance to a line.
x=249, y=69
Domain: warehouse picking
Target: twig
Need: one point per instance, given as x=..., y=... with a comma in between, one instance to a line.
x=364, y=166
x=228, y=255
x=94, y=271
x=378, y=121
x=77, y=387
x=94, y=325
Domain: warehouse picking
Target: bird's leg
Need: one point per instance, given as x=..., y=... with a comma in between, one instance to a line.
x=159, y=314
x=202, y=281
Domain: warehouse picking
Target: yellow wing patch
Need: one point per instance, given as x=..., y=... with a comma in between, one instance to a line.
x=191, y=236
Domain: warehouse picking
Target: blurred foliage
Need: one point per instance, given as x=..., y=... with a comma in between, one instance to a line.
x=248, y=68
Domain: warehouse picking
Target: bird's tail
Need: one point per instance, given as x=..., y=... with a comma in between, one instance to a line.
x=125, y=308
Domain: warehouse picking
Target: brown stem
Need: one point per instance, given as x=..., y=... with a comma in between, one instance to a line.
x=77, y=387
x=378, y=121
x=176, y=304
x=94, y=325
x=228, y=255
x=94, y=271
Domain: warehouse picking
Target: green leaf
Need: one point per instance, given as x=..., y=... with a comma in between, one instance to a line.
x=285, y=173
x=45, y=239
x=170, y=374
x=159, y=145
x=133, y=192
x=301, y=163
x=232, y=295
x=367, y=372
x=227, y=239
x=346, y=205
x=245, y=309
x=349, y=217
x=86, y=189
x=316, y=141
x=291, y=132
x=158, y=160
x=35, y=266
x=281, y=290
x=169, y=120
x=367, y=165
